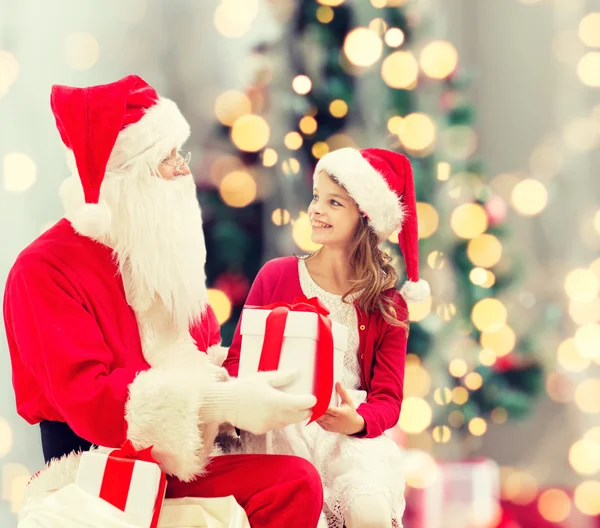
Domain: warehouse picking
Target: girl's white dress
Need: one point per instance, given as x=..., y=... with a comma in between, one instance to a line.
x=348, y=466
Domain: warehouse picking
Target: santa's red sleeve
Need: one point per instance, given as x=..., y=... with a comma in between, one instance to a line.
x=60, y=343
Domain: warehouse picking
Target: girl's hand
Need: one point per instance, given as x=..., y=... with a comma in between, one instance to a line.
x=343, y=419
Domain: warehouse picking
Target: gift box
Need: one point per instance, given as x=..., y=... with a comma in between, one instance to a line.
x=457, y=494
x=128, y=479
x=299, y=337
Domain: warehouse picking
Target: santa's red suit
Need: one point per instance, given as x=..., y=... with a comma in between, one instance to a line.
x=108, y=323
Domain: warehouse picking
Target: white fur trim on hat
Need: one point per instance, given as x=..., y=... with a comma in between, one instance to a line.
x=415, y=292
x=367, y=187
x=161, y=129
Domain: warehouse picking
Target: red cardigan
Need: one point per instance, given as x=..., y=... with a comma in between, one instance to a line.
x=382, y=346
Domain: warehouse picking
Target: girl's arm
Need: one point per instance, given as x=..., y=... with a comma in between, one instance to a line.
x=381, y=410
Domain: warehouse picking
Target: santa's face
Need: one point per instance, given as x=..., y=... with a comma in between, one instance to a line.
x=174, y=165
x=157, y=236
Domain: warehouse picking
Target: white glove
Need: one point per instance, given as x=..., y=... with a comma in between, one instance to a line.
x=254, y=403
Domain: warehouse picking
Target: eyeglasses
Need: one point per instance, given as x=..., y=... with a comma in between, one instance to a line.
x=183, y=157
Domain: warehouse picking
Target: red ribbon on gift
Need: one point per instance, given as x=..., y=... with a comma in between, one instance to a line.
x=118, y=473
x=273, y=341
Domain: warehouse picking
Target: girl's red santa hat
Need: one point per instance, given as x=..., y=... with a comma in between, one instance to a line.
x=113, y=127
x=381, y=183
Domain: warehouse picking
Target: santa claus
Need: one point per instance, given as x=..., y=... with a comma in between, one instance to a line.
x=109, y=329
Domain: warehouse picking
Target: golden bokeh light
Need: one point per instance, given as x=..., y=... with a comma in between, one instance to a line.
x=416, y=415
x=427, y=218
x=477, y=426
x=554, y=505
x=501, y=341
x=499, y=415
x=439, y=59
x=14, y=480
x=238, y=189
x=458, y=367
x=417, y=380
x=582, y=285
x=489, y=315
x=220, y=303
x=581, y=134
x=587, y=396
x=363, y=46
x=587, y=497
x=394, y=123
x=485, y=250
x=482, y=277
x=301, y=233
x=400, y=70
x=290, y=166
x=570, y=358
x=589, y=30
x=529, y=197
x=319, y=149
x=232, y=105
x=593, y=434
x=19, y=172
x=6, y=437
x=441, y=434
x=596, y=221
x=308, y=125
x=584, y=457
x=422, y=471
x=418, y=132
x=233, y=18
x=419, y=311
x=250, y=133
x=473, y=381
x=442, y=396
x=588, y=69
x=443, y=171
x=269, y=157
x=435, y=260
x=456, y=418
x=9, y=69
x=587, y=340
x=394, y=37
x=325, y=14
x=280, y=217
x=331, y=3
x=302, y=84
x=459, y=142
x=487, y=357
x=585, y=312
x=338, y=108
x=293, y=140
x=519, y=487
x=469, y=220
x=446, y=311
x=81, y=51
x=460, y=395
x=379, y=25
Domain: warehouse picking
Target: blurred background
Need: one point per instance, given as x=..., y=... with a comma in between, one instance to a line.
x=498, y=106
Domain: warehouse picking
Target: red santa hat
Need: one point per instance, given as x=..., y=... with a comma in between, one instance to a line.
x=381, y=183
x=113, y=126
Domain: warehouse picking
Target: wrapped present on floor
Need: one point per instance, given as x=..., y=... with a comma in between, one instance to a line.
x=300, y=337
x=458, y=494
x=128, y=479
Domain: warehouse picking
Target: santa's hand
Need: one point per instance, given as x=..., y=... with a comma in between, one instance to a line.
x=254, y=403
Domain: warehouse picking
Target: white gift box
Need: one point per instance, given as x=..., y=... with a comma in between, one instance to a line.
x=142, y=493
x=298, y=350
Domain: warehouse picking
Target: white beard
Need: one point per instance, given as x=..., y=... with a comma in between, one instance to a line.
x=157, y=237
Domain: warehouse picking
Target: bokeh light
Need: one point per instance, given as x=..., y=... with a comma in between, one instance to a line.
x=439, y=59
x=529, y=197
x=489, y=315
x=293, y=140
x=589, y=30
x=81, y=51
x=427, y=218
x=302, y=84
x=301, y=233
x=418, y=132
x=582, y=285
x=394, y=37
x=501, y=341
x=485, y=250
x=588, y=69
x=363, y=46
x=400, y=70
x=280, y=217
x=416, y=415
x=469, y=220
x=220, y=304
x=587, y=497
x=250, y=133
x=587, y=396
x=19, y=172
x=477, y=426
x=419, y=311
x=238, y=189
x=232, y=105
x=584, y=457
x=554, y=505
x=570, y=358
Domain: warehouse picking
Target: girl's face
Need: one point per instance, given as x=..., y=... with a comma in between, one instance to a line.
x=333, y=214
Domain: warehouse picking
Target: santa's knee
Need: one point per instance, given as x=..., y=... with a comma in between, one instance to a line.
x=307, y=485
x=369, y=511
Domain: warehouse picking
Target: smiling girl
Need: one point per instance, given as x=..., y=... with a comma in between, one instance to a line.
x=359, y=199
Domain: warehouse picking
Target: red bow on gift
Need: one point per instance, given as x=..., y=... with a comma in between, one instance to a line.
x=118, y=473
x=271, y=348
